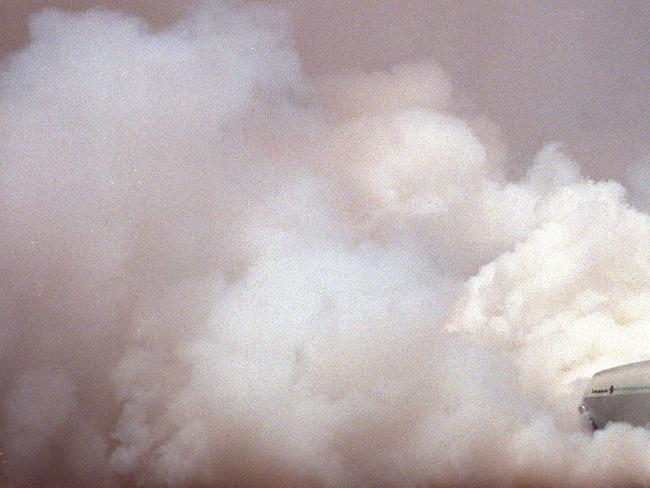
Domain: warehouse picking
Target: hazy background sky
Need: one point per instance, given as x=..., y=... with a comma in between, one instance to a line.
x=570, y=71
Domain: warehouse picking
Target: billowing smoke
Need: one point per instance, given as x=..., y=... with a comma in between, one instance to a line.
x=219, y=270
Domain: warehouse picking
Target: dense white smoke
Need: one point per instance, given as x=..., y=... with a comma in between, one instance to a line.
x=217, y=270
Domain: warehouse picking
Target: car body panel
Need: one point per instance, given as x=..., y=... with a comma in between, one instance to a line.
x=620, y=394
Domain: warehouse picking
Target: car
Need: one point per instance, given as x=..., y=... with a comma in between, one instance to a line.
x=620, y=394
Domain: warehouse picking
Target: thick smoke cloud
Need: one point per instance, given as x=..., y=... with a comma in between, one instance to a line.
x=218, y=269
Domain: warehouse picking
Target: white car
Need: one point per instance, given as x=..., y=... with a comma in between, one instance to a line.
x=620, y=394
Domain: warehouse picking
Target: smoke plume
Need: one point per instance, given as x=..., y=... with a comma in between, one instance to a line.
x=219, y=268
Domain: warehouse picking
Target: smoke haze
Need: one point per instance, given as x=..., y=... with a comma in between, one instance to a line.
x=225, y=261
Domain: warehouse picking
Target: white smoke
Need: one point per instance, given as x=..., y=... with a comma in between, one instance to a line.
x=217, y=270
